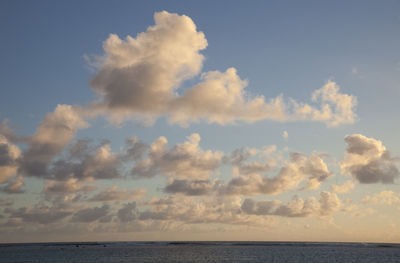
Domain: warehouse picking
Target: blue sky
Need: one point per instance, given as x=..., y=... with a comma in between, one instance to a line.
x=287, y=48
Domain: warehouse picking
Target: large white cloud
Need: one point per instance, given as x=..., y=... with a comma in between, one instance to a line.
x=368, y=160
x=139, y=77
x=141, y=74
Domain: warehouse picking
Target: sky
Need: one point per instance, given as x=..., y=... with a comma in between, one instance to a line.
x=199, y=120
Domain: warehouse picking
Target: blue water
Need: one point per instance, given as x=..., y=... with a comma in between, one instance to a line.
x=199, y=252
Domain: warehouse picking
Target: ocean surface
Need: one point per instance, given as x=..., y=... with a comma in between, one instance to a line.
x=276, y=252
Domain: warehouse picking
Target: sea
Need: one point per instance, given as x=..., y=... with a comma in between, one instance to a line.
x=275, y=252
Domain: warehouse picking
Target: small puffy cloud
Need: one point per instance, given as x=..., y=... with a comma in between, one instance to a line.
x=344, y=188
x=383, y=198
x=299, y=168
x=135, y=149
x=241, y=164
x=56, y=130
x=336, y=108
x=91, y=214
x=88, y=163
x=183, y=161
x=71, y=185
x=190, y=187
x=9, y=153
x=368, y=160
x=140, y=77
x=285, y=135
x=114, y=194
x=316, y=170
x=128, y=212
x=253, y=207
x=327, y=204
x=14, y=186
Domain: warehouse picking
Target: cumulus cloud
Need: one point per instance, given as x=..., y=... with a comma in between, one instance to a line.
x=221, y=98
x=9, y=153
x=87, y=163
x=385, y=197
x=140, y=77
x=190, y=187
x=335, y=108
x=299, y=168
x=71, y=185
x=141, y=74
x=128, y=212
x=344, y=188
x=368, y=160
x=242, y=165
x=114, y=194
x=14, y=186
x=327, y=204
x=285, y=135
x=191, y=210
x=56, y=130
x=38, y=214
x=183, y=161
x=91, y=214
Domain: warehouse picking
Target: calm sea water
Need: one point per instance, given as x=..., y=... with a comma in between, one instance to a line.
x=199, y=252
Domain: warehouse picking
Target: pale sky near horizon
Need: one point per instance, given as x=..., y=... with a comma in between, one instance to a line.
x=172, y=120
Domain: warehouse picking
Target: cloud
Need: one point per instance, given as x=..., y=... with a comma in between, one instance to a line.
x=183, y=161
x=114, y=194
x=71, y=185
x=91, y=214
x=220, y=98
x=285, y=135
x=9, y=153
x=239, y=158
x=336, y=108
x=56, y=130
x=141, y=74
x=140, y=77
x=190, y=187
x=344, y=188
x=327, y=204
x=128, y=212
x=87, y=163
x=368, y=160
x=192, y=210
x=299, y=168
x=38, y=214
x=14, y=186
x=6, y=202
x=136, y=149
x=383, y=198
